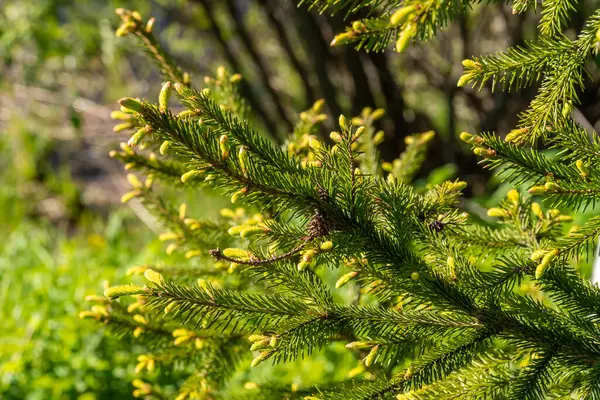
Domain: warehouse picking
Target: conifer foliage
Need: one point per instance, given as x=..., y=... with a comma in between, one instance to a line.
x=442, y=307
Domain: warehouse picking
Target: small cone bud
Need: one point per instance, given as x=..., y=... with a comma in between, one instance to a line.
x=163, y=97
x=513, y=196
x=131, y=104
x=537, y=210
x=257, y=338
x=400, y=15
x=190, y=175
x=343, y=122
x=341, y=38
x=370, y=358
x=543, y=266
x=326, y=246
x=345, y=279
x=404, y=38
x=150, y=25
x=260, y=358
x=470, y=64
x=358, y=345
x=236, y=253
x=114, y=292
x=336, y=137
x=243, y=159
x=464, y=79
x=582, y=168
x=466, y=137
x=121, y=127
x=130, y=195
x=154, y=277
x=498, y=212
x=225, y=146
x=137, y=137
x=537, y=190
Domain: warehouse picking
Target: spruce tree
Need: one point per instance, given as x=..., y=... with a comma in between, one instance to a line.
x=438, y=307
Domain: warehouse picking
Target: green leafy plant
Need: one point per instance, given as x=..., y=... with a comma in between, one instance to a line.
x=434, y=304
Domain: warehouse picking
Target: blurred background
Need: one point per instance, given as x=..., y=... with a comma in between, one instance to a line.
x=63, y=232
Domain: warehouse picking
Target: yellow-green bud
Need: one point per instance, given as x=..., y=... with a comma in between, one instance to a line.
x=150, y=25
x=137, y=137
x=130, y=195
x=404, y=38
x=336, y=137
x=415, y=276
x=260, y=358
x=308, y=255
x=513, y=196
x=538, y=254
x=466, y=137
x=537, y=210
x=343, y=122
x=164, y=237
x=341, y=38
x=451, y=263
x=378, y=138
x=498, y=212
x=464, y=79
x=114, y=292
x=134, y=181
x=583, y=169
x=164, y=95
x=480, y=151
x=204, y=285
x=458, y=186
x=131, y=104
x=470, y=64
x=359, y=131
x=358, y=345
x=302, y=265
x=191, y=175
x=400, y=15
x=235, y=230
x=358, y=26
x=154, y=277
x=249, y=231
x=235, y=197
x=179, y=88
x=237, y=253
x=123, y=126
x=164, y=147
x=224, y=145
x=564, y=218
x=370, y=358
x=120, y=115
x=260, y=345
x=537, y=190
x=377, y=114
x=243, y=158
x=551, y=186
x=543, y=266
x=192, y=253
x=345, y=279
x=257, y=338
x=326, y=246
x=516, y=135
x=315, y=144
